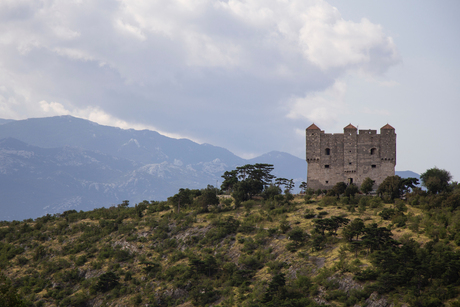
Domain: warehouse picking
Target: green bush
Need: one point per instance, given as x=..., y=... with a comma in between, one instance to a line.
x=106, y=282
x=81, y=260
x=376, y=202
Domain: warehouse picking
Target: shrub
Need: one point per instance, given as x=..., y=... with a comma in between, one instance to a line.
x=271, y=192
x=329, y=201
x=106, y=282
x=376, y=202
x=387, y=213
x=81, y=260
x=249, y=204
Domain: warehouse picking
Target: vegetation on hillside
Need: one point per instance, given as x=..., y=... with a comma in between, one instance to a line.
x=260, y=247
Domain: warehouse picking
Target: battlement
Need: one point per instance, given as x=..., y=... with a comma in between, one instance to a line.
x=350, y=156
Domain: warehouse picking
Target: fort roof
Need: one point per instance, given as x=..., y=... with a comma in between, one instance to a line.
x=387, y=126
x=313, y=127
x=350, y=126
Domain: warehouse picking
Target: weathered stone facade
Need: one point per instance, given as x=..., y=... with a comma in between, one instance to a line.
x=350, y=156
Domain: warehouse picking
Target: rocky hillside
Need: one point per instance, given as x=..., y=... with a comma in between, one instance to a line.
x=285, y=251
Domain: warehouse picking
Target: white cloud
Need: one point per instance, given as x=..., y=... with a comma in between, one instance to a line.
x=323, y=108
x=53, y=108
x=97, y=115
x=132, y=30
x=73, y=54
x=207, y=33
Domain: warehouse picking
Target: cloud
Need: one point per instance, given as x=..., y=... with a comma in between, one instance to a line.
x=97, y=115
x=323, y=108
x=53, y=108
x=209, y=70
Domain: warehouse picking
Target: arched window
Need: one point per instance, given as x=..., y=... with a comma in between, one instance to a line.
x=328, y=151
x=373, y=150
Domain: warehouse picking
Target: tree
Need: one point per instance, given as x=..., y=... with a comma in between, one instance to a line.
x=276, y=289
x=259, y=172
x=367, y=185
x=339, y=188
x=288, y=184
x=409, y=184
x=303, y=187
x=184, y=197
x=230, y=179
x=354, y=229
x=330, y=225
x=436, y=180
x=106, y=282
x=297, y=234
x=376, y=237
x=391, y=186
x=271, y=192
x=351, y=190
x=207, y=198
x=248, y=180
x=8, y=294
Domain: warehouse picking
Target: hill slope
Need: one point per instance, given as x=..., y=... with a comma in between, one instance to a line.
x=283, y=252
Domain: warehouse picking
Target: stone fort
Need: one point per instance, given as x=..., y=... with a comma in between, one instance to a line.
x=350, y=156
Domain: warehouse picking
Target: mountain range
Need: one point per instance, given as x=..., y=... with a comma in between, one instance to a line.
x=53, y=164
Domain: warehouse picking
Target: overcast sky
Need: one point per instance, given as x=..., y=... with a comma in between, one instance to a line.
x=247, y=75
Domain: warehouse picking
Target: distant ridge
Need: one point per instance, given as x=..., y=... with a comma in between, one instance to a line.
x=53, y=164
x=407, y=174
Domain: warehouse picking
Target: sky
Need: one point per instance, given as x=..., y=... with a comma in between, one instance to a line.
x=246, y=75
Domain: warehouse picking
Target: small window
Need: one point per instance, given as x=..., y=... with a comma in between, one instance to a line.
x=374, y=166
x=328, y=151
x=327, y=181
x=373, y=151
x=349, y=163
x=326, y=166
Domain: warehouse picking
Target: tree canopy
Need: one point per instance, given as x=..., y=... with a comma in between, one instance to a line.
x=367, y=185
x=436, y=180
x=248, y=180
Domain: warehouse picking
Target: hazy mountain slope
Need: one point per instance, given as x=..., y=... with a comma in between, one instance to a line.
x=407, y=174
x=35, y=181
x=4, y=121
x=143, y=146
x=75, y=163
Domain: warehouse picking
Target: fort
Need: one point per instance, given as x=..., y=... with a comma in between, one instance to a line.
x=350, y=156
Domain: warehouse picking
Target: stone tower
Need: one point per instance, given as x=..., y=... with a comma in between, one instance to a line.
x=350, y=156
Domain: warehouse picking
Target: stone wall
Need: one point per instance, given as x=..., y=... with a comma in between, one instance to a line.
x=350, y=156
